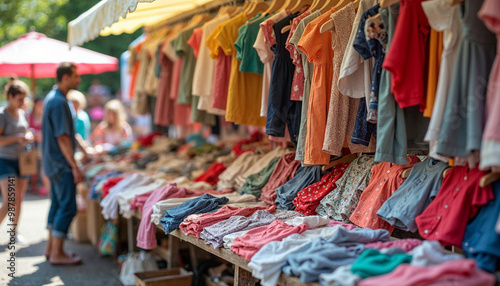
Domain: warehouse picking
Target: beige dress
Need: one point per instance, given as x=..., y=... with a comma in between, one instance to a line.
x=343, y=109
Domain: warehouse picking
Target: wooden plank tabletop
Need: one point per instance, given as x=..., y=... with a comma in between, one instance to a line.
x=228, y=256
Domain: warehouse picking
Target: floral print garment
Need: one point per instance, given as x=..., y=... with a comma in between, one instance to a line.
x=298, y=76
x=375, y=29
x=340, y=203
x=386, y=179
x=269, y=36
x=309, y=198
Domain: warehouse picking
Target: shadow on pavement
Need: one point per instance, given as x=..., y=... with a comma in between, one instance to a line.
x=94, y=270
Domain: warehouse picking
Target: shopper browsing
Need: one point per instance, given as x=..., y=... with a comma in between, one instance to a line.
x=82, y=123
x=58, y=147
x=114, y=129
x=13, y=131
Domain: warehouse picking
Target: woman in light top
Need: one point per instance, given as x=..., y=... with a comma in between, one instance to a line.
x=113, y=129
x=13, y=132
x=82, y=123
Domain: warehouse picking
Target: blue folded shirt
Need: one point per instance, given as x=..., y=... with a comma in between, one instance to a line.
x=204, y=204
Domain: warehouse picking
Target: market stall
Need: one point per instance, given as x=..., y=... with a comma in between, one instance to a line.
x=331, y=142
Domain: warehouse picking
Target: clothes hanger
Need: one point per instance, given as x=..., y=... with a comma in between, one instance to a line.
x=275, y=6
x=258, y=7
x=235, y=11
x=245, y=6
x=249, y=6
x=344, y=159
x=199, y=19
x=315, y=5
x=406, y=173
x=376, y=16
x=288, y=5
x=455, y=2
x=326, y=26
x=227, y=10
x=386, y=3
x=223, y=10
x=488, y=179
x=328, y=5
x=446, y=171
x=329, y=24
x=341, y=4
x=301, y=4
x=356, y=4
x=286, y=29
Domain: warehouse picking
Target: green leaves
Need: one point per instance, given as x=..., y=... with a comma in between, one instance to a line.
x=51, y=18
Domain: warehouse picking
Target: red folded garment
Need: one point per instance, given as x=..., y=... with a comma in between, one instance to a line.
x=111, y=182
x=255, y=137
x=147, y=140
x=194, y=225
x=211, y=175
x=248, y=244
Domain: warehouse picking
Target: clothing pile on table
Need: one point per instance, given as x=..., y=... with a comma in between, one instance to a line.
x=330, y=94
x=319, y=225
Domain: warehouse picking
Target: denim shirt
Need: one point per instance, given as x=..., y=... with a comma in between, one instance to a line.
x=57, y=120
x=480, y=240
x=204, y=204
x=414, y=195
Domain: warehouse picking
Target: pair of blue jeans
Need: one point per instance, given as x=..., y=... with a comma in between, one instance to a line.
x=63, y=207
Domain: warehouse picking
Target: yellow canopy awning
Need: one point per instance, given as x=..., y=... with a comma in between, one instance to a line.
x=118, y=16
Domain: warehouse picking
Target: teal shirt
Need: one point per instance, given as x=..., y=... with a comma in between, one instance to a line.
x=246, y=54
x=373, y=263
x=82, y=125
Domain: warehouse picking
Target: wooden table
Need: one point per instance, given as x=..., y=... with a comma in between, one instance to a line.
x=243, y=273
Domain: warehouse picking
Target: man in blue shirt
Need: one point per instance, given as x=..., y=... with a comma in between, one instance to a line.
x=58, y=148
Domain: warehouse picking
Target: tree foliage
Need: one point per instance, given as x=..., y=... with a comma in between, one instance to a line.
x=51, y=17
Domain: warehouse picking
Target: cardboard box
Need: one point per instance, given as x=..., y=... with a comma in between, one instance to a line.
x=95, y=221
x=79, y=227
x=172, y=277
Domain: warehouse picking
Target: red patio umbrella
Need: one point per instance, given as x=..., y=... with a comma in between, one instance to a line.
x=33, y=55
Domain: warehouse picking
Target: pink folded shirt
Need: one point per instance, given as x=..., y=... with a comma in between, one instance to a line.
x=346, y=225
x=406, y=244
x=248, y=244
x=146, y=235
x=139, y=201
x=463, y=272
x=193, y=225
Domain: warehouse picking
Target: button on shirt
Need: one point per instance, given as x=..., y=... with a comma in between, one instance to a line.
x=446, y=217
x=386, y=179
x=57, y=120
x=414, y=195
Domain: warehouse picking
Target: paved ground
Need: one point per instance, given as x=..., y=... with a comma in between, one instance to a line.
x=31, y=266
